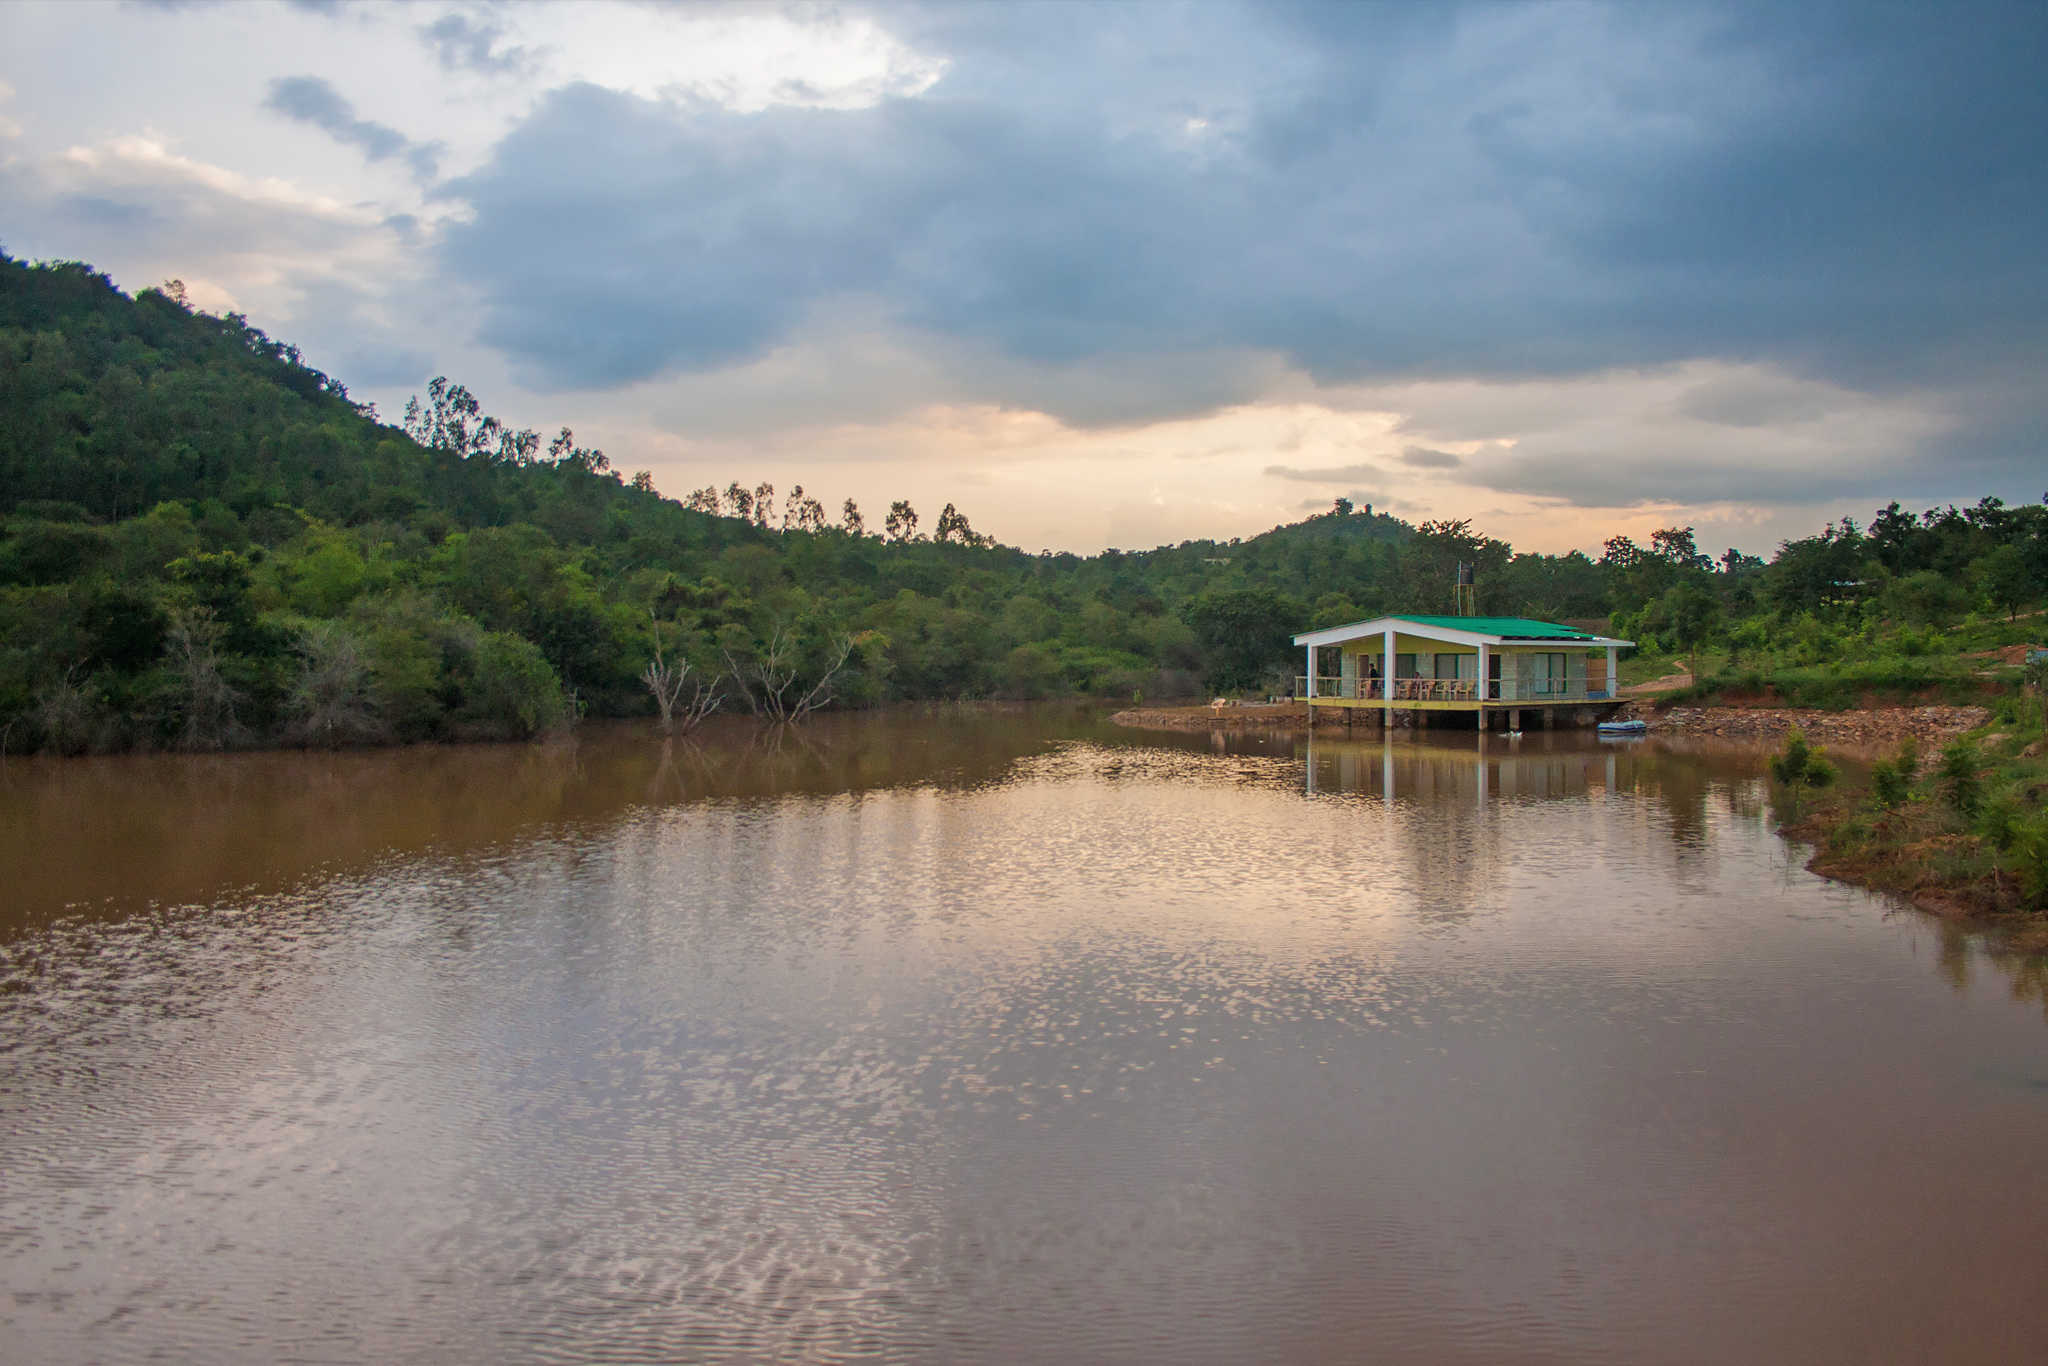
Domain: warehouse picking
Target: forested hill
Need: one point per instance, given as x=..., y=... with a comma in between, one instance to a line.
x=206, y=543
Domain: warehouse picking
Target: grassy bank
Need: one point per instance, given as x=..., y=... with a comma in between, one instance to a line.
x=1963, y=832
x=1973, y=662
x=1852, y=683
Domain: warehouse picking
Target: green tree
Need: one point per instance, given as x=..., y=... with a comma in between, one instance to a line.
x=1245, y=635
x=510, y=692
x=2007, y=579
x=1687, y=616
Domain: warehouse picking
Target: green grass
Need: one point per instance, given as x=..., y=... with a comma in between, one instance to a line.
x=1841, y=687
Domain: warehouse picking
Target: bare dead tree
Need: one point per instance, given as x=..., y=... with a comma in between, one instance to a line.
x=770, y=676
x=332, y=701
x=63, y=713
x=670, y=681
x=210, y=720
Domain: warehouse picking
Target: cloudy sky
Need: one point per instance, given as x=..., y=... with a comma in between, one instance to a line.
x=1114, y=274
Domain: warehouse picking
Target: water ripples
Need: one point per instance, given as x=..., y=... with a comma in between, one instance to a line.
x=1107, y=1051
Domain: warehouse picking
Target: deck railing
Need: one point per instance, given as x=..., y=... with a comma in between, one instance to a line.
x=1447, y=690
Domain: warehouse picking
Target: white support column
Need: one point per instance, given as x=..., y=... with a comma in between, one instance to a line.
x=1311, y=671
x=1613, y=679
x=1387, y=678
x=1482, y=686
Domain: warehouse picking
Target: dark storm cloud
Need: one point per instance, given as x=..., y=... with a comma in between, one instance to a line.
x=1371, y=192
x=309, y=99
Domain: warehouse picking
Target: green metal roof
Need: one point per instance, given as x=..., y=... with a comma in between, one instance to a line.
x=1518, y=628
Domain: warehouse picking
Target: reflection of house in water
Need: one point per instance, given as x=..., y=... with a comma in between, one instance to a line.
x=1491, y=671
x=1439, y=830
x=1460, y=810
x=1491, y=769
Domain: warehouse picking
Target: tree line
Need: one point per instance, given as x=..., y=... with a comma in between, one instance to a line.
x=206, y=543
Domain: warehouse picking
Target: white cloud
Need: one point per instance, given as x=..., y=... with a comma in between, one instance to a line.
x=138, y=160
x=743, y=58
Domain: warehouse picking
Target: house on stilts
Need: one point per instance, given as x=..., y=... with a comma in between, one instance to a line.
x=1501, y=671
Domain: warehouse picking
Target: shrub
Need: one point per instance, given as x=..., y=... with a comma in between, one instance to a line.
x=1999, y=822
x=1800, y=764
x=1961, y=776
x=2029, y=855
x=1891, y=780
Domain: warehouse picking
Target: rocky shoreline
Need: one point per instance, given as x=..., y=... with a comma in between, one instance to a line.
x=1869, y=728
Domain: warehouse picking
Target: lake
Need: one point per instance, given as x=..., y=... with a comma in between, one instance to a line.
x=992, y=1034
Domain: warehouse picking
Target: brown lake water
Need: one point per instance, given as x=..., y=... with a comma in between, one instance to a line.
x=992, y=1035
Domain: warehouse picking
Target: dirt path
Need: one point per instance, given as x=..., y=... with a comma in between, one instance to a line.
x=1668, y=683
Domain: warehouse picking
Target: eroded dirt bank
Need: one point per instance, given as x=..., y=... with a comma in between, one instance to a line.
x=1872, y=728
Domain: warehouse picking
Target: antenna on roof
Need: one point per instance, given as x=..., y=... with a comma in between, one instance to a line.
x=1467, y=596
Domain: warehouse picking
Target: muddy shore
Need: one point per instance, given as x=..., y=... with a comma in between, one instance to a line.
x=1252, y=716
x=1871, y=729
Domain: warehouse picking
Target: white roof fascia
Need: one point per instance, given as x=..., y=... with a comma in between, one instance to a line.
x=1359, y=630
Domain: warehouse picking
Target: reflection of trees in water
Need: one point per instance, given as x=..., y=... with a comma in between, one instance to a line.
x=2029, y=974
x=1960, y=948
x=121, y=832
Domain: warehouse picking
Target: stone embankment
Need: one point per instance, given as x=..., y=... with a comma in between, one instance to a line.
x=1877, y=728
